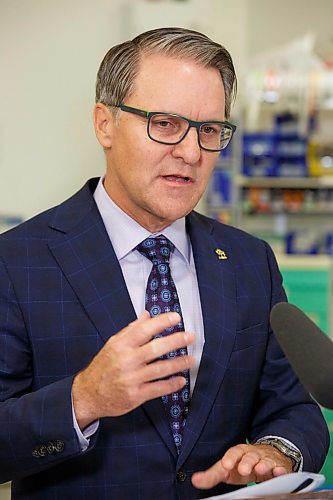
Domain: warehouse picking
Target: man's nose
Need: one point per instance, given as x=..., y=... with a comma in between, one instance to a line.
x=188, y=149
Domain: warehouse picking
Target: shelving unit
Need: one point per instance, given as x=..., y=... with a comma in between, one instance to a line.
x=280, y=164
x=285, y=182
x=222, y=193
x=222, y=196
x=277, y=207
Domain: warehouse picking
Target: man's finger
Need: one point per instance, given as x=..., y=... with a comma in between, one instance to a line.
x=227, y=469
x=142, y=330
x=210, y=477
x=161, y=388
x=249, y=461
x=233, y=456
x=164, y=345
x=164, y=368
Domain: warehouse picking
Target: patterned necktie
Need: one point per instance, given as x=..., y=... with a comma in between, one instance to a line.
x=161, y=296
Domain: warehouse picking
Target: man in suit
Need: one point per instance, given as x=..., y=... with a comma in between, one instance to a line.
x=86, y=374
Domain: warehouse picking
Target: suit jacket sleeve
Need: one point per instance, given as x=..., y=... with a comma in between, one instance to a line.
x=290, y=419
x=36, y=426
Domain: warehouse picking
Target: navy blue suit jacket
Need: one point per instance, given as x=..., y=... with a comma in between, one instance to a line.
x=62, y=295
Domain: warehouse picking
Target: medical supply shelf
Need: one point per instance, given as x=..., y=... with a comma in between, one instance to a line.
x=280, y=161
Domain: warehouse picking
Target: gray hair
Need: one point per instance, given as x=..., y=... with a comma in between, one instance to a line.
x=120, y=66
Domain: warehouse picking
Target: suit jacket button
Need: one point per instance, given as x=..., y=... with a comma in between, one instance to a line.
x=181, y=476
x=50, y=448
x=42, y=451
x=59, y=446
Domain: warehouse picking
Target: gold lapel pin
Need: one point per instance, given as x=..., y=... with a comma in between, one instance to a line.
x=221, y=254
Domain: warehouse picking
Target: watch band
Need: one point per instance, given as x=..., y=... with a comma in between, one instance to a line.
x=284, y=448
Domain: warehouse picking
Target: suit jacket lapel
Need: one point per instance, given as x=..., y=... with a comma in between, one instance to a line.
x=87, y=259
x=216, y=282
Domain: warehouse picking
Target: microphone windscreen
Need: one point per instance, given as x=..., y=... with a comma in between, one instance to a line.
x=308, y=349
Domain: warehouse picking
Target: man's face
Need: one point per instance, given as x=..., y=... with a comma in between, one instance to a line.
x=153, y=183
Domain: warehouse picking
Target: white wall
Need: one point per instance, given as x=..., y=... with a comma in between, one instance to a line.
x=273, y=23
x=49, y=55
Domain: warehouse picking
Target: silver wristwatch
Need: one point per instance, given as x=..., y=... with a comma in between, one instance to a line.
x=284, y=448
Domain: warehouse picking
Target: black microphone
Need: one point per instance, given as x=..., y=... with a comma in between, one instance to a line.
x=308, y=349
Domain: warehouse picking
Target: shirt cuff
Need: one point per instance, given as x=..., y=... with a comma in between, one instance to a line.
x=85, y=435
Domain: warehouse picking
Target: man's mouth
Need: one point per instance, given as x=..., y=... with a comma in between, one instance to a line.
x=178, y=178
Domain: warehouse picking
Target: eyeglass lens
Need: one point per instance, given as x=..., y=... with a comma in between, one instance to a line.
x=170, y=129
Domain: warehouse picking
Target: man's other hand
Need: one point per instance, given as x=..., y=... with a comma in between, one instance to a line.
x=244, y=464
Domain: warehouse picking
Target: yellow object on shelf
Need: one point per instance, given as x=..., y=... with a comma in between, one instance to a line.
x=320, y=159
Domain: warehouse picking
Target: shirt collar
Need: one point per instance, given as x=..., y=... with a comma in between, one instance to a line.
x=125, y=233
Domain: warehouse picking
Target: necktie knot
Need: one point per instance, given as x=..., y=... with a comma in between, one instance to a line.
x=157, y=250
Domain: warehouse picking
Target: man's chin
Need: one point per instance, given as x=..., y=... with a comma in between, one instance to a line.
x=173, y=215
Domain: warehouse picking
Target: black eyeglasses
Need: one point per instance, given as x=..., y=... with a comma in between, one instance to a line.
x=170, y=128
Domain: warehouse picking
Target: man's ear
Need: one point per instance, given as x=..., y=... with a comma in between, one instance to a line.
x=103, y=123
